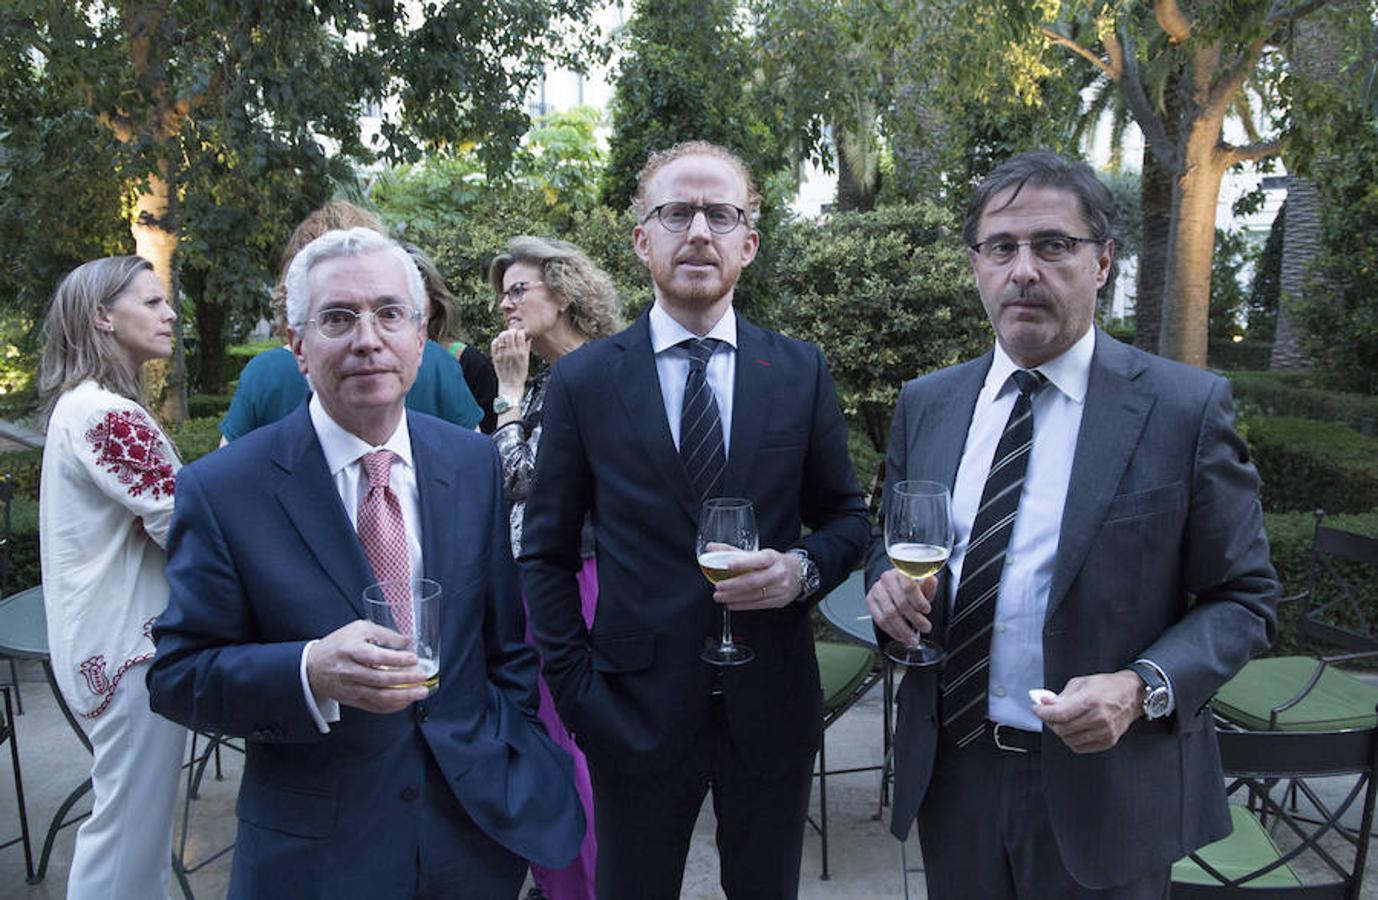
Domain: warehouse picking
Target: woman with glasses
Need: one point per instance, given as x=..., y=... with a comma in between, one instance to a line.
x=105, y=504
x=552, y=299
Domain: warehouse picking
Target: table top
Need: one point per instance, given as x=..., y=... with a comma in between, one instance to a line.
x=23, y=625
x=845, y=609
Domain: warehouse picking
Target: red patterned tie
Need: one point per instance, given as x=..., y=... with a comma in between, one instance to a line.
x=384, y=536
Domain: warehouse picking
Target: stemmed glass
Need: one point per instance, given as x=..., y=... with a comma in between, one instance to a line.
x=918, y=540
x=727, y=530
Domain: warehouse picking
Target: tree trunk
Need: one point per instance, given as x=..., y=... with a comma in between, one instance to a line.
x=210, y=348
x=858, y=163
x=1300, y=244
x=1155, y=201
x=155, y=241
x=1186, y=305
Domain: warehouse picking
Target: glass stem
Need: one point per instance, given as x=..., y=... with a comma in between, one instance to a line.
x=726, y=627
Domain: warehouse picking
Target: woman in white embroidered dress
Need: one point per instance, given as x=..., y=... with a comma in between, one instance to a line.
x=105, y=503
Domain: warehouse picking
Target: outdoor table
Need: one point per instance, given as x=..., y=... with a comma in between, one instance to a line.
x=844, y=608
x=24, y=635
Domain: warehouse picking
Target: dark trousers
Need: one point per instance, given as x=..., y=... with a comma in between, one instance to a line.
x=644, y=825
x=984, y=831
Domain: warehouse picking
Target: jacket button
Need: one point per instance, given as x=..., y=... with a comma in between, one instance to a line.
x=409, y=794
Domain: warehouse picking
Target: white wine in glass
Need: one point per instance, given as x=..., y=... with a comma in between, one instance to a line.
x=918, y=540
x=727, y=531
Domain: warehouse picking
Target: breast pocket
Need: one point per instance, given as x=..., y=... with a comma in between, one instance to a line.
x=1165, y=499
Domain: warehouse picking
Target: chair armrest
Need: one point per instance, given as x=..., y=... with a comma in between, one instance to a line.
x=1292, y=598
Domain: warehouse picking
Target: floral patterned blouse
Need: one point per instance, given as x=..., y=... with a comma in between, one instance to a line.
x=105, y=504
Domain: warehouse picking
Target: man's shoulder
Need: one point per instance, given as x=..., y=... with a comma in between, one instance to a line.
x=1167, y=377
x=947, y=378
x=776, y=344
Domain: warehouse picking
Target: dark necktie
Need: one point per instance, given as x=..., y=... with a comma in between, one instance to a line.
x=966, y=677
x=700, y=429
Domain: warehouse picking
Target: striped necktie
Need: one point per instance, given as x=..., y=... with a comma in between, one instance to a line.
x=700, y=429
x=966, y=677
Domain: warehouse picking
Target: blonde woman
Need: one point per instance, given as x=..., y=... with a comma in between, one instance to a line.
x=552, y=299
x=105, y=503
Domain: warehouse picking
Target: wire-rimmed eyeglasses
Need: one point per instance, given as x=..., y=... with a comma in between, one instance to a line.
x=1051, y=248
x=677, y=216
x=339, y=321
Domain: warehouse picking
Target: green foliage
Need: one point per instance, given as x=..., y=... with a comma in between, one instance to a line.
x=1306, y=464
x=23, y=468
x=26, y=565
x=201, y=406
x=1285, y=394
x=1232, y=255
x=1229, y=354
x=1290, y=537
x=888, y=295
x=195, y=437
x=687, y=74
x=1264, y=292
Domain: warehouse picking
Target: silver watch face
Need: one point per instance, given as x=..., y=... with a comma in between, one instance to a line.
x=501, y=404
x=1155, y=704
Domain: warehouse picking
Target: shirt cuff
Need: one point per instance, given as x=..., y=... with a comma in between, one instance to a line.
x=324, y=712
x=1171, y=695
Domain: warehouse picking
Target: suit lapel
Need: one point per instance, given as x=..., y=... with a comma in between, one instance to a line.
x=312, y=504
x=1111, y=423
x=753, y=395
x=439, y=498
x=639, y=387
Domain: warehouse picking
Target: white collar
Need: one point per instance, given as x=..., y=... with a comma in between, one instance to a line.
x=342, y=447
x=666, y=332
x=1069, y=371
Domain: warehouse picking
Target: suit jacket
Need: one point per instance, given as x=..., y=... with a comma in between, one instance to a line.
x=633, y=688
x=263, y=559
x=1161, y=554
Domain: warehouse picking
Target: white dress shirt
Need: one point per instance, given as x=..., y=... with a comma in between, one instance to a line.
x=672, y=366
x=1016, y=646
x=343, y=452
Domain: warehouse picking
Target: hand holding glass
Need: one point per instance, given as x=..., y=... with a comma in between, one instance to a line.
x=727, y=530
x=918, y=540
x=420, y=598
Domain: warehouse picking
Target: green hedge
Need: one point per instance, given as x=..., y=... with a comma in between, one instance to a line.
x=1306, y=465
x=25, y=567
x=206, y=406
x=1226, y=354
x=1290, y=535
x=23, y=468
x=1279, y=394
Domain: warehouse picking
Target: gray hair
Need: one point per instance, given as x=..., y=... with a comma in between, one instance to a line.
x=1045, y=169
x=354, y=242
x=594, y=309
x=74, y=350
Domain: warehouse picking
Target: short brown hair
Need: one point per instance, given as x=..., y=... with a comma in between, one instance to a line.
x=662, y=158
x=569, y=274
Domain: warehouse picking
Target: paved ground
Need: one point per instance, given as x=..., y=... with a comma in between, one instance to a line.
x=865, y=860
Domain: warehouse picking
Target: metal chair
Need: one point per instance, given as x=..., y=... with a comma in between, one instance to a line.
x=1251, y=861
x=6, y=500
x=846, y=672
x=7, y=734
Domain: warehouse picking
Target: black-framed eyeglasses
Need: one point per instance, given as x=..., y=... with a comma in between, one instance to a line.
x=677, y=216
x=517, y=292
x=1050, y=248
x=338, y=322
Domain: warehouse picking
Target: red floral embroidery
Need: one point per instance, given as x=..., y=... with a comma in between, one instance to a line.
x=93, y=670
x=128, y=446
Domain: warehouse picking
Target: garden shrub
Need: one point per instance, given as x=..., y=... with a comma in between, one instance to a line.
x=196, y=437
x=1290, y=536
x=23, y=468
x=1306, y=464
x=887, y=294
x=1278, y=394
x=1222, y=353
x=203, y=406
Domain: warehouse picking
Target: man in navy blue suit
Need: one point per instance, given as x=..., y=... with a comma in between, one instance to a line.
x=659, y=726
x=355, y=784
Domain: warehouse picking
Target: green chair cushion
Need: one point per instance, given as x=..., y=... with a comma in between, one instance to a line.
x=1247, y=849
x=1338, y=701
x=841, y=667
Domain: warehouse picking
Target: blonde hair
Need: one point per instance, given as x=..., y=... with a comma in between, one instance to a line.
x=641, y=204
x=442, y=316
x=74, y=350
x=569, y=274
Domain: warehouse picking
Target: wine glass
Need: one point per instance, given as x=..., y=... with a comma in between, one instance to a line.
x=727, y=530
x=918, y=540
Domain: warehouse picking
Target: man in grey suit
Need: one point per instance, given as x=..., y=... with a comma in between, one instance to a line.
x=1109, y=548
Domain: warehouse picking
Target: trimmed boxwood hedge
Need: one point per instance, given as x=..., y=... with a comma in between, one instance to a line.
x=1285, y=394
x=1307, y=464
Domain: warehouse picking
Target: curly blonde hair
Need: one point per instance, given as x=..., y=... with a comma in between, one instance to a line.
x=594, y=309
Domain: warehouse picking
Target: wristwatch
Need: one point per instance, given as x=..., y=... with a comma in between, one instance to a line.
x=502, y=404
x=808, y=573
x=1156, y=699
